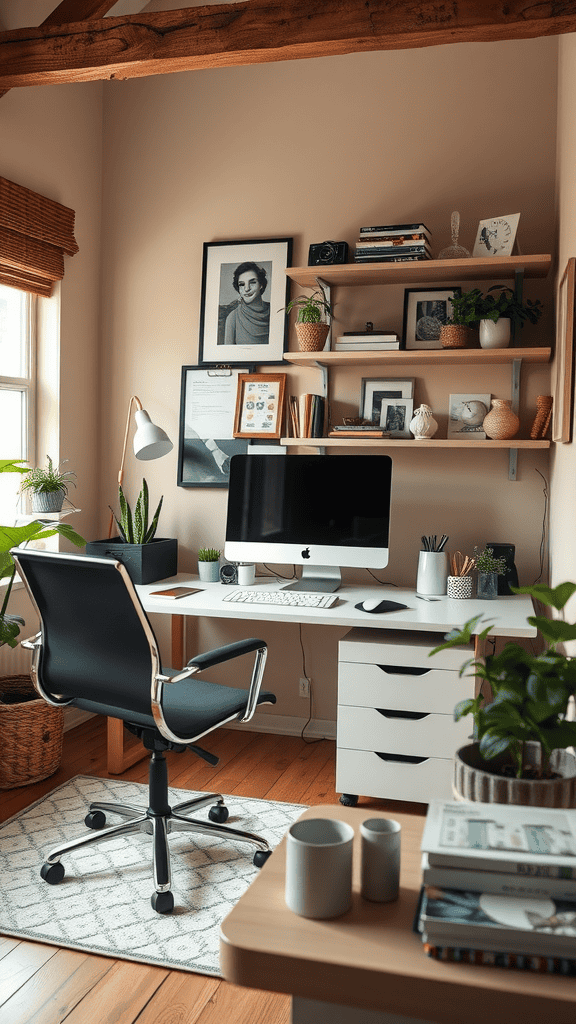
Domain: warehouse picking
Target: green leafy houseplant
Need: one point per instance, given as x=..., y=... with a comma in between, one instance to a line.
x=208, y=555
x=134, y=528
x=13, y=536
x=469, y=308
x=465, y=308
x=531, y=692
x=47, y=481
x=486, y=562
x=312, y=309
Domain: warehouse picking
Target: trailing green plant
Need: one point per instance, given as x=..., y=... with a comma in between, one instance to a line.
x=134, y=528
x=12, y=537
x=469, y=308
x=49, y=480
x=311, y=310
x=208, y=555
x=531, y=692
x=486, y=562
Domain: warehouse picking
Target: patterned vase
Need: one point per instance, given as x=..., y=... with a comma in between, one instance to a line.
x=459, y=587
x=501, y=423
x=423, y=425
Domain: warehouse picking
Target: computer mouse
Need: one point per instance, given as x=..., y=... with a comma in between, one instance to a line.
x=376, y=604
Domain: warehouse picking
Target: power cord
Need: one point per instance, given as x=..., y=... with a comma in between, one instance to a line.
x=544, y=525
x=305, y=674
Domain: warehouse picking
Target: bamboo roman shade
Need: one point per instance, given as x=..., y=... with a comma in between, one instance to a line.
x=35, y=232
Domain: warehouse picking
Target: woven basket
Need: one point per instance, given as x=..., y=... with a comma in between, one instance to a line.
x=454, y=335
x=30, y=735
x=311, y=337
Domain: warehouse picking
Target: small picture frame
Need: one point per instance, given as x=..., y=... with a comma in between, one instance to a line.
x=496, y=236
x=425, y=310
x=466, y=413
x=395, y=416
x=260, y=405
x=376, y=390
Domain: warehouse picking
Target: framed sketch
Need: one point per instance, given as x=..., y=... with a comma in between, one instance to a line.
x=206, y=441
x=375, y=391
x=395, y=416
x=562, y=370
x=244, y=292
x=496, y=236
x=465, y=416
x=424, y=313
x=260, y=405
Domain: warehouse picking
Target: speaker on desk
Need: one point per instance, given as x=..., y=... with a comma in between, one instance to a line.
x=510, y=577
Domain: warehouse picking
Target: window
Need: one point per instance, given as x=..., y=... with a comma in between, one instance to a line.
x=17, y=390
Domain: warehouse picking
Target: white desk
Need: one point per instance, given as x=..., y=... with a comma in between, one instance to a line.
x=509, y=615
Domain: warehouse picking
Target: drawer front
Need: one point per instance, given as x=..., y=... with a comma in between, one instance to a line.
x=371, y=646
x=430, y=735
x=363, y=773
x=380, y=686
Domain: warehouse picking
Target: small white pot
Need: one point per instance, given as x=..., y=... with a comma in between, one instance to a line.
x=423, y=425
x=495, y=335
x=209, y=572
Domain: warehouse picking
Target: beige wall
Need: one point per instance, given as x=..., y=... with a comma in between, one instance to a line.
x=313, y=149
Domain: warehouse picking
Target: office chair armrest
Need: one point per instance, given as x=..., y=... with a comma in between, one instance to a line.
x=221, y=654
x=32, y=643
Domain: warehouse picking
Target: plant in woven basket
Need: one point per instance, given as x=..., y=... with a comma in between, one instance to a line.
x=49, y=480
x=134, y=528
x=312, y=309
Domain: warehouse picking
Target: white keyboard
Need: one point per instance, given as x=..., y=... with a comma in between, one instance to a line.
x=290, y=598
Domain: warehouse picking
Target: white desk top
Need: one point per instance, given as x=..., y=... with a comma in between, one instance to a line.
x=508, y=614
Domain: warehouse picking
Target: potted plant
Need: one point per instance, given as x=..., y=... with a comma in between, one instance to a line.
x=489, y=568
x=209, y=565
x=455, y=330
x=498, y=312
x=519, y=752
x=48, y=487
x=148, y=558
x=312, y=320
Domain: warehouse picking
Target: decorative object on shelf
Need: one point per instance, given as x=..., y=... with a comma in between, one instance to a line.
x=497, y=313
x=242, y=283
x=260, y=405
x=496, y=236
x=147, y=558
x=374, y=391
x=395, y=416
x=207, y=406
x=454, y=251
x=312, y=320
x=209, y=565
x=459, y=583
x=48, y=487
x=495, y=334
x=424, y=313
x=454, y=336
x=520, y=753
x=564, y=355
x=489, y=567
x=322, y=254
x=501, y=423
x=466, y=414
x=423, y=425
x=543, y=417
x=509, y=578
x=150, y=442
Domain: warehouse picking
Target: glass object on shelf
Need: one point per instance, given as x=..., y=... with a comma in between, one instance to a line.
x=454, y=251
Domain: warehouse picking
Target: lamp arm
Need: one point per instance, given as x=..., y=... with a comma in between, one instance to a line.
x=135, y=399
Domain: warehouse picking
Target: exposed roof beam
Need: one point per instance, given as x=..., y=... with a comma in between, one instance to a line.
x=258, y=31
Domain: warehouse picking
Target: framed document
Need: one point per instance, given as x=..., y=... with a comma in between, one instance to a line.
x=260, y=405
x=206, y=441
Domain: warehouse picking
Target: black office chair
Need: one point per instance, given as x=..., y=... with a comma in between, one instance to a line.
x=96, y=650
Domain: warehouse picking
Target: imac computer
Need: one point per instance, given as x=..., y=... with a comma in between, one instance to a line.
x=318, y=511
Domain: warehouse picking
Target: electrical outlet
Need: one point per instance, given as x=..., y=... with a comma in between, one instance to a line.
x=304, y=687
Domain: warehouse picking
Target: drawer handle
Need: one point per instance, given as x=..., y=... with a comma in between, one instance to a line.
x=414, y=716
x=402, y=758
x=402, y=670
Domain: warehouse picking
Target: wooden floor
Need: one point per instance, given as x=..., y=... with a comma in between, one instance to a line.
x=44, y=984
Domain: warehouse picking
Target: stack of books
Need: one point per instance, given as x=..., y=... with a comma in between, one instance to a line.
x=307, y=415
x=499, y=886
x=363, y=430
x=393, y=243
x=366, y=341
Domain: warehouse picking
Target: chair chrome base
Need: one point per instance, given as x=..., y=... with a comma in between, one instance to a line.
x=157, y=820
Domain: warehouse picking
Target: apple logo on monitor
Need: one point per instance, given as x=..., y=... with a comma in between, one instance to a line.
x=305, y=553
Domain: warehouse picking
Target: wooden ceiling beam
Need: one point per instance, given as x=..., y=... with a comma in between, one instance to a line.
x=260, y=31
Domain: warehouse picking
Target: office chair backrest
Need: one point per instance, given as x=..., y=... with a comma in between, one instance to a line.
x=95, y=645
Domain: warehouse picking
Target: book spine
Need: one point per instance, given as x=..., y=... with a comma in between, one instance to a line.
x=388, y=228
x=518, y=869
x=388, y=259
x=394, y=242
x=389, y=250
x=515, y=961
x=494, y=882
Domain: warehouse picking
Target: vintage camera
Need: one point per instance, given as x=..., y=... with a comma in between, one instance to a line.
x=229, y=573
x=323, y=253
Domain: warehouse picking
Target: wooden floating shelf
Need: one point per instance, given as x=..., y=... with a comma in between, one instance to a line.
x=392, y=442
x=422, y=357
x=491, y=268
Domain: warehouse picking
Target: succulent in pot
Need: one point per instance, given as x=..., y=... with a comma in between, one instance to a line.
x=209, y=564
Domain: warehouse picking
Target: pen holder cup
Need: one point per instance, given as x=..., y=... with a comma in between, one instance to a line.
x=432, y=573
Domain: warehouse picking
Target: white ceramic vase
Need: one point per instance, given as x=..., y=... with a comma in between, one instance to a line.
x=495, y=335
x=423, y=425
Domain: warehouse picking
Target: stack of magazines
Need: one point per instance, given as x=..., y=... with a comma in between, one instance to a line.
x=499, y=886
x=366, y=341
x=393, y=243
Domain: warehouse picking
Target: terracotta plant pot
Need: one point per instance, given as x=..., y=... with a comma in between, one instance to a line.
x=311, y=337
x=454, y=335
x=474, y=779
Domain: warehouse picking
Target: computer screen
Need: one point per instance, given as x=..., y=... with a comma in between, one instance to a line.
x=319, y=511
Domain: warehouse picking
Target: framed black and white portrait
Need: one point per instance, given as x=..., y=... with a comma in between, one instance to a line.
x=375, y=391
x=244, y=293
x=395, y=416
x=425, y=310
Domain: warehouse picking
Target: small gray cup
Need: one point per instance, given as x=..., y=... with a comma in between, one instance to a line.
x=319, y=867
x=380, y=871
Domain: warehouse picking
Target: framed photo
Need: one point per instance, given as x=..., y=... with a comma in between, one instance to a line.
x=496, y=236
x=395, y=416
x=465, y=416
x=244, y=292
x=206, y=442
x=260, y=405
x=375, y=391
x=563, y=357
x=424, y=313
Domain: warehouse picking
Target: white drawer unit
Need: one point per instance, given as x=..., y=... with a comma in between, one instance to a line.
x=396, y=735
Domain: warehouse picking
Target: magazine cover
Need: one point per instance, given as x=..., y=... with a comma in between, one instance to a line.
x=503, y=882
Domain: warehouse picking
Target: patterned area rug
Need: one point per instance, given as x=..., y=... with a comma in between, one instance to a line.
x=103, y=903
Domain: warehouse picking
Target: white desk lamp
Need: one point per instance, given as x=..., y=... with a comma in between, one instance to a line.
x=150, y=442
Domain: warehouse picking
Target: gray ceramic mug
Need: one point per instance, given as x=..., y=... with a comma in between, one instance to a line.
x=319, y=867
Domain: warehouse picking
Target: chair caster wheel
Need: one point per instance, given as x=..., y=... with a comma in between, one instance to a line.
x=52, y=873
x=260, y=858
x=162, y=902
x=219, y=814
x=95, y=819
x=349, y=800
